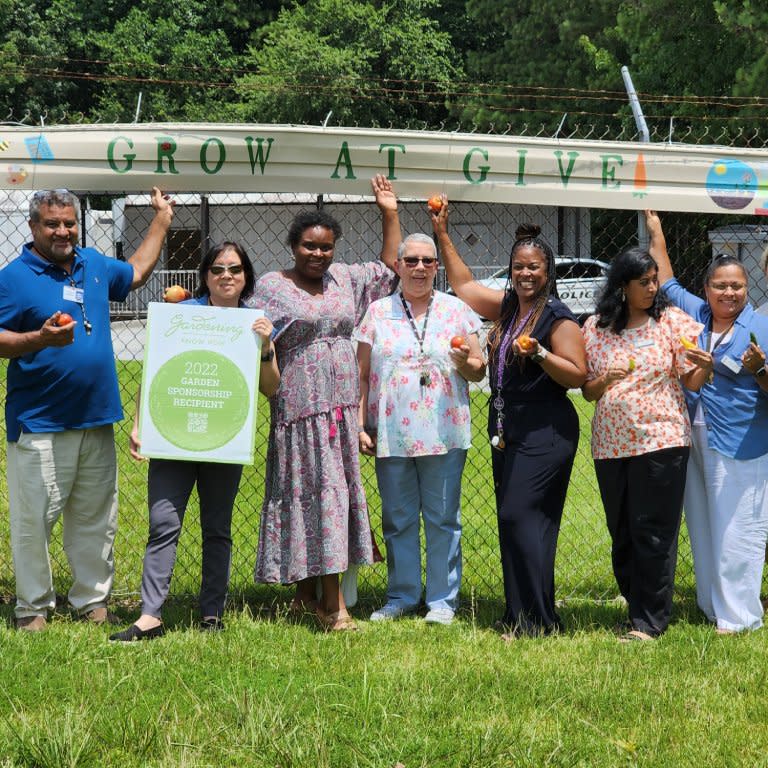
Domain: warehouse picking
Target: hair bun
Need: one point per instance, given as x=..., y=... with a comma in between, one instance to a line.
x=527, y=231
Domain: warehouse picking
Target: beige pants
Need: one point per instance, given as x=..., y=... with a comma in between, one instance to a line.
x=73, y=474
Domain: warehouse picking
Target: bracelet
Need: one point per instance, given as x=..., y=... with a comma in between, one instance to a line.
x=761, y=371
x=269, y=356
x=540, y=355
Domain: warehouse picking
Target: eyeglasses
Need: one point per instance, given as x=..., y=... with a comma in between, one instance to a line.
x=721, y=287
x=412, y=261
x=220, y=269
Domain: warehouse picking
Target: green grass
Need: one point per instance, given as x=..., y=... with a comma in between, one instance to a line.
x=268, y=692
x=271, y=692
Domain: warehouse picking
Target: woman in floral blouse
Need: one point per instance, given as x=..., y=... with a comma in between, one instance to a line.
x=417, y=349
x=641, y=434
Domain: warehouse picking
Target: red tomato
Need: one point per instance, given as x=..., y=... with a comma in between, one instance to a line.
x=457, y=341
x=435, y=203
x=64, y=319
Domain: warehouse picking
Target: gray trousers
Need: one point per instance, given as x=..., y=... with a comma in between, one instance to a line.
x=170, y=486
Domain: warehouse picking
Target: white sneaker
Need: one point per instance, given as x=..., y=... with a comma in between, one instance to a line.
x=439, y=616
x=388, y=612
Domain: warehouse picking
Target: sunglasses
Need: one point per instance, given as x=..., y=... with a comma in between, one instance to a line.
x=220, y=269
x=412, y=261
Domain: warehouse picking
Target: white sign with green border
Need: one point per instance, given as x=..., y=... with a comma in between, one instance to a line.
x=200, y=383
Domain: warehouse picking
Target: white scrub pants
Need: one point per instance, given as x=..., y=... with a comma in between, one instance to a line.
x=71, y=474
x=726, y=510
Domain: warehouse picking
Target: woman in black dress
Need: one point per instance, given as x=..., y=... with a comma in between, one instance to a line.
x=535, y=354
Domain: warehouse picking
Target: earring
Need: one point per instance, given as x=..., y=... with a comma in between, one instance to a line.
x=623, y=296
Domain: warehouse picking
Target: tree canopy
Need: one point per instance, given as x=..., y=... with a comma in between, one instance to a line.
x=514, y=65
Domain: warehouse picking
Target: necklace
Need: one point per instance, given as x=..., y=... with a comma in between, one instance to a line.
x=424, y=378
x=513, y=331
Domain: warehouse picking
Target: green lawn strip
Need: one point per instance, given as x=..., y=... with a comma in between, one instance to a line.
x=275, y=693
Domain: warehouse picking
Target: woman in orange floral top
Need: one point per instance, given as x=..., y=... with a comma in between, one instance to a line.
x=641, y=433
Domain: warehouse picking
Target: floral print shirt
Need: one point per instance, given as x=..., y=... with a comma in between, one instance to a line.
x=412, y=419
x=645, y=411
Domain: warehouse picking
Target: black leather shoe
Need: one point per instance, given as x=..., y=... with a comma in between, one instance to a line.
x=135, y=633
x=212, y=624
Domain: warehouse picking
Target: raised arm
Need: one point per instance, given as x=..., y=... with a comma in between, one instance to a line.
x=485, y=301
x=390, y=221
x=144, y=259
x=658, y=247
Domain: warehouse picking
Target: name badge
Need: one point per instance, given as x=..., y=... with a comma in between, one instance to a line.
x=396, y=310
x=70, y=293
x=644, y=343
x=730, y=364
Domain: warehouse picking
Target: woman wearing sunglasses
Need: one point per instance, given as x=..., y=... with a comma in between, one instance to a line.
x=726, y=491
x=417, y=349
x=225, y=279
x=535, y=354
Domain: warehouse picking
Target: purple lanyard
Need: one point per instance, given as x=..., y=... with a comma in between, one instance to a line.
x=513, y=331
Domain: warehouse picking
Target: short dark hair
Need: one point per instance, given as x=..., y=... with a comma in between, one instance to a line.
x=612, y=310
x=51, y=197
x=306, y=219
x=213, y=253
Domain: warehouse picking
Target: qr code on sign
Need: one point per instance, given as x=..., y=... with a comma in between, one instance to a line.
x=197, y=423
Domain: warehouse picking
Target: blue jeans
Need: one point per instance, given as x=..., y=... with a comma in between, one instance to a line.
x=430, y=485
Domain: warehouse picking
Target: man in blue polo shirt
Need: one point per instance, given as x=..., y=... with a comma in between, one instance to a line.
x=62, y=401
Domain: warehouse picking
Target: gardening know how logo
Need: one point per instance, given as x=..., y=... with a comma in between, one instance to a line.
x=199, y=386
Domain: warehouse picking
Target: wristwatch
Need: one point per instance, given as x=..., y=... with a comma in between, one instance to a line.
x=540, y=355
x=269, y=356
x=761, y=371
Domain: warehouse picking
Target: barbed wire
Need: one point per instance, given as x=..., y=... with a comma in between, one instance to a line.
x=384, y=84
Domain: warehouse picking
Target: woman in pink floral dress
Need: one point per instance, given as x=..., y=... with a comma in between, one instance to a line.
x=314, y=521
x=641, y=433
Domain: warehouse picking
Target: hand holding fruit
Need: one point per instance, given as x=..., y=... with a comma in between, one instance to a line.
x=525, y=345
x=459, y=351
x=437, y=205
x=58, y=330
x=753, y=358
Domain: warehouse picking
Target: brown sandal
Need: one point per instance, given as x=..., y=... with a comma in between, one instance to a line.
x=338, y=621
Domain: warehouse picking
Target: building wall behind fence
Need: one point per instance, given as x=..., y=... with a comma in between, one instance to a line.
x=483, y=233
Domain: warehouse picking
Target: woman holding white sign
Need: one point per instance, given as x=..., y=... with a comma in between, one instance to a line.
x=226, y=278
x=314, y=521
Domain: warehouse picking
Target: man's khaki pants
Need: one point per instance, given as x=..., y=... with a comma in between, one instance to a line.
x=74, y=474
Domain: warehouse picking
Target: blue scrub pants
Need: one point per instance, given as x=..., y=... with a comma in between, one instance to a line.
x=430, y=485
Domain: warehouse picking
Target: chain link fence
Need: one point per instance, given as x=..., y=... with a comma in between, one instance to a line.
x=585, y=241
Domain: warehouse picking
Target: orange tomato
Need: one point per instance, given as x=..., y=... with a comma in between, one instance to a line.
x=457, y=341
x=435, y=203
x=524, y=342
